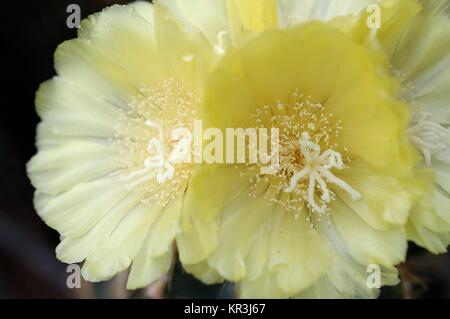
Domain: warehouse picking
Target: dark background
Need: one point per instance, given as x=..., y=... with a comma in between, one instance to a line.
x=30, y=32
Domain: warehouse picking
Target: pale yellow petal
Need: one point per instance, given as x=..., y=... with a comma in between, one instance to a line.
x=293, y=12
x=56, y=170
x=188, y=56
x=76, y=211
x=298, y=254
x=208, y=17
x=239, y=228
x=117, y=250
x=386, y=200
x=204, y=273
x=145, y=271
x=69, y=109
x=74, y=249
x=202, y=208
x=346, y=277
x=155, y=256
x=366, y=244
x=286, y=257
x=248, y=17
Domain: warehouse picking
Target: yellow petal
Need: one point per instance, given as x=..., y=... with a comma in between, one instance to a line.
x=294, y=12
x=429, y=224
x=298, y=254
x=263, y=287
x=208, y=17
x=421, y=56
x=204, y=273
x=146, y=270
x=386, y=200
x=286, y=257
x=433, y=241
x=291, y=274
x=239, y=227
x=202, y=208
x=366, y=244
x=74, y=249
x=115, y=54
x=76, y=211
x=155, y=255
x=187, y=56
x=117, y=250
x=71, y=110
x=251, y=16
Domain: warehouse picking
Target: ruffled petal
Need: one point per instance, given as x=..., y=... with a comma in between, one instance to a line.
x=188, y=56
x=74, y=249
x=422, y=57
x=366, y=244
x=429, y=224
x=155, y=256
x=286, y=256
x=116, y=250
x=386, y=199
x=293, y=12
x=56, y=170
x=146, y=269
x=202, y=208
x=243, y=219
x=298, y=255
x=71, y=110
x=115, y=54
x=225, y=23
x=208, y=17
x=203, y=272
x=76, y=211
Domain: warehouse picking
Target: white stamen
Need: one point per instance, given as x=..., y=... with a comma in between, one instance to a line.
x=430, y=137
x=188, y=57
x=317, y=169
x=219, y=48
x=166, y=174
x=164, y=169
x=181, y=152
x=154, y=147
x=154, y=165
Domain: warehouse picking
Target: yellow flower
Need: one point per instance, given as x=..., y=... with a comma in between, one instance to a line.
x=346, y=181
x=111, y=169
x=420, y=58
x=416, y=37
x=108, y=174
x=355, y=108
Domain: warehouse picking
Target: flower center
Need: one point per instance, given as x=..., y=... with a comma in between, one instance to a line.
x=305, y=173
x=317, y=170
x=153, y=141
